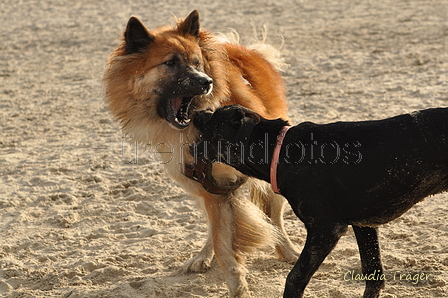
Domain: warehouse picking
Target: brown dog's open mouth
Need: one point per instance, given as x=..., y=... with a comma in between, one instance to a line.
x=178, y=112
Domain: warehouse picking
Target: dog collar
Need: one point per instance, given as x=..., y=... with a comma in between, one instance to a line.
x=275, y=157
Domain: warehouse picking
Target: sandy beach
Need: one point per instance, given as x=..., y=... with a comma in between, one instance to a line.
x=84, y=213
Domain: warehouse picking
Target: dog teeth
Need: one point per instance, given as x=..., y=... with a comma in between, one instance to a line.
x=179, y=111
x=182, y=118
x=183, y=122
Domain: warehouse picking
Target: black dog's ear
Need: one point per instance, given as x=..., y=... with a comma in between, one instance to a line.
x=237, y=118
x=246, y=124
x=242, y=117
x=136, y=36
x=190, y=25
x=252, y=116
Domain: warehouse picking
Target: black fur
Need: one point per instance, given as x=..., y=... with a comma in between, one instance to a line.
x=362, y=174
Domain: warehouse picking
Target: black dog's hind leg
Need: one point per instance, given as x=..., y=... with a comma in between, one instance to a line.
x=320, y=241
x=370, y=259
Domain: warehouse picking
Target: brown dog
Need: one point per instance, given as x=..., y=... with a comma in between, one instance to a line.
x=154, y=81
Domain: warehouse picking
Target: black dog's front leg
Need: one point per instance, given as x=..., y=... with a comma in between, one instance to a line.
x=320, y=241
x=370, y=259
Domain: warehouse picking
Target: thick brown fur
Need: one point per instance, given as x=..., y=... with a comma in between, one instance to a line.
x=140, y=73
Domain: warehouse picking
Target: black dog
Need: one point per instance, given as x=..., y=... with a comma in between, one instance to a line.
x=362, y=174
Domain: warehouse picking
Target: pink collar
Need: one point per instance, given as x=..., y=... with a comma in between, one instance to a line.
x=275, y=157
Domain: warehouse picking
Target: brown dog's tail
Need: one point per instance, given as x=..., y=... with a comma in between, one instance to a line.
x=253, y=228
x=267, y=51
x=272, y=205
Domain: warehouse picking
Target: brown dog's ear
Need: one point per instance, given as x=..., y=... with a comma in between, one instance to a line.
x=136, y=36
x=190, y=25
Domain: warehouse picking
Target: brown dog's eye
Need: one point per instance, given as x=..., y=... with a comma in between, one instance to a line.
x=171, y=62
x=197, y=63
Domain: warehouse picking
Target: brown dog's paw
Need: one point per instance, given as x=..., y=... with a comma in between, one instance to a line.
x=199, y=263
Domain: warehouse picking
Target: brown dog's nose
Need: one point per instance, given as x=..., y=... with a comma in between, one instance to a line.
x=205, y=80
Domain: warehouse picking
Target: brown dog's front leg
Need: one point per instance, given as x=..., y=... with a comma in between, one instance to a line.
x=369, y=250
x=320, y=241
x=202, y=261
x=220, y=215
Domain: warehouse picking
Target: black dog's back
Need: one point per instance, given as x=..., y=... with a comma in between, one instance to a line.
x=371, y=171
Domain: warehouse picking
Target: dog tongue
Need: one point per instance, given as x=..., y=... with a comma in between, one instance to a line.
x=176, y=104
x=180, y=111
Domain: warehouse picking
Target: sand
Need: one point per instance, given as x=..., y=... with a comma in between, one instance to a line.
x=85, y=214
